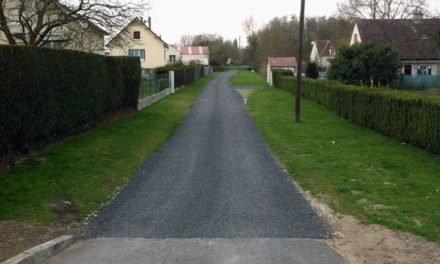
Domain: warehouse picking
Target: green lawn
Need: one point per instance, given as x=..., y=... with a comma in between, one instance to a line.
x=247, y=78
x=355, y=170
x=87, y=169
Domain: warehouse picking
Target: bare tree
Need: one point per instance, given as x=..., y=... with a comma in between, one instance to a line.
x=186, y=40
x=38, y=22
x=381, y=9
x=249, y=26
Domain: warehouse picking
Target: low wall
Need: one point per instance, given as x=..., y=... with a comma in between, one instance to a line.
x=154, y=98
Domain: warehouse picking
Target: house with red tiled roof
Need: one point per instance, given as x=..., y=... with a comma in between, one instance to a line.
x=283, y=63
x=199, y=55
x=323, y=52
x=417, y=40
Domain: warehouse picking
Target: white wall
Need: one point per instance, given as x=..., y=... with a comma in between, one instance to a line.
x=355, y=32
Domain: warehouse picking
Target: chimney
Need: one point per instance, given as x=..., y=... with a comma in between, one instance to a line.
x=417, y=14
x=149, y=22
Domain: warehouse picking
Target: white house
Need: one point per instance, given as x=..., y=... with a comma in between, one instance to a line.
x=323, y=52
x=283, y=63
x=415, y=39
x=199, y=55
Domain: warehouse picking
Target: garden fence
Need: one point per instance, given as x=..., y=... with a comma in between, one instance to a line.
x=152, y=84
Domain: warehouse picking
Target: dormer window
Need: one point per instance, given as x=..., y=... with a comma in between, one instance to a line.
x=137, y=35
x=332, y=52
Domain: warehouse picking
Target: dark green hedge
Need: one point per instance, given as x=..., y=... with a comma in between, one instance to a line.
x=47, y=93
x=176, y=68
x=408, y=117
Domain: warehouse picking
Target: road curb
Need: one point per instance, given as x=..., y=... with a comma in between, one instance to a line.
x=42, y=252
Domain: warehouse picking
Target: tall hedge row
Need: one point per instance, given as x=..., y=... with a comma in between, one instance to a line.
x=47, y=93
x=407, y=117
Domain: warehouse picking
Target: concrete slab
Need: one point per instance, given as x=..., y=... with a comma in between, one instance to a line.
x=42, y=252
x=206, y=251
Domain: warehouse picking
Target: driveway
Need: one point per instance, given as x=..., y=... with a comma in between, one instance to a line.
x=212, y=194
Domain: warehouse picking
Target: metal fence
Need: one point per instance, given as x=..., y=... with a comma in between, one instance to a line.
x=179, y=78
x=152, y=84
x=197, y=74
x=421, y=82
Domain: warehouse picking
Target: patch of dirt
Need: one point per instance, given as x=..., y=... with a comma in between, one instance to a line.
x=65, y=211
x=16, y=237
x=245, y=93
x=370, y=243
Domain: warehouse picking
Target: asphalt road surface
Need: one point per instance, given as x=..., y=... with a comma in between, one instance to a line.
x=210, y=190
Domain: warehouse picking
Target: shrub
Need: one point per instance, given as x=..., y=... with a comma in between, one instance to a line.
x=408, y=117
x=366, y=62
x=312, y=71
x=47, y=93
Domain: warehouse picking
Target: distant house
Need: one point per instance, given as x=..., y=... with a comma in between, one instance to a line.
x=173, y=55
x=137, y=39
x=284, y=63
x=81, y=34
x=417, y=41
x=323, y=52
x=199, y=55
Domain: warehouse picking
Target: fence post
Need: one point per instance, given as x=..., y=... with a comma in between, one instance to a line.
x=172, y=81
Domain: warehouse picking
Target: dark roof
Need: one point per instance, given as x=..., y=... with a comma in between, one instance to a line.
x=140, y=21
x=324, y=47
x=282, y=61
x=414, y=39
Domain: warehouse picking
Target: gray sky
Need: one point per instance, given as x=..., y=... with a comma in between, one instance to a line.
x=174, y=18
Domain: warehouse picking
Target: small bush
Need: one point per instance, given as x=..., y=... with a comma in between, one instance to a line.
x=312, y=71
x=47, y=93
x=408, y=117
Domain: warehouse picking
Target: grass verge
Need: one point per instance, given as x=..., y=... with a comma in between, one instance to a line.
x=247, y=78
x=77, y=176
x=355, y=170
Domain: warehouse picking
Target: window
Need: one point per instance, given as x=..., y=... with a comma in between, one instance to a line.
x=356, y=40
x=424, y=70
x=83, y=24
x=332, y=52
x=172, y=58
x=137, y=53
x=137, y=35
x=56, y=37
x=14, y=15
x=407, y=69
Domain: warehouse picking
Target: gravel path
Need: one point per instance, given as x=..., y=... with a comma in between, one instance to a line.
x=216, y=178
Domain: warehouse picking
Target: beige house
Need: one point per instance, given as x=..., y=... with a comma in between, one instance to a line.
x=137, y=39
x=83, y=35
x=173, y=55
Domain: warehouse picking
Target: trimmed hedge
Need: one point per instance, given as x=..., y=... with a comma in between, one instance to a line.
x=48, y=93
x=188, y=72
x=408, y=117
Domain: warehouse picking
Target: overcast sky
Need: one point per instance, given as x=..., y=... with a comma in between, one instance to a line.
x=174, y=18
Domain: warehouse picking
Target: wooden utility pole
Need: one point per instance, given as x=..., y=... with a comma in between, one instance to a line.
x=299, y=71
